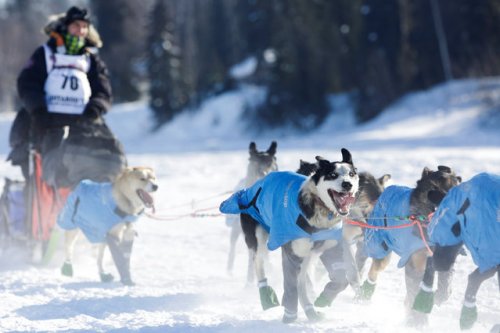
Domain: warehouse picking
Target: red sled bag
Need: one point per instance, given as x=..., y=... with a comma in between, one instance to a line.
x=46, y=203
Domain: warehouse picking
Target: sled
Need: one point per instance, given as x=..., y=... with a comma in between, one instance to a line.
x=13, y=213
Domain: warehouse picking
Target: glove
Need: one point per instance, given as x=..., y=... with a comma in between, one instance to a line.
x=91, y=113
x=468, y=317
x=367, y=290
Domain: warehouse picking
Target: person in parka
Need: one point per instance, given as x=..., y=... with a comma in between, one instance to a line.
x=65, y=90
x=65, y=81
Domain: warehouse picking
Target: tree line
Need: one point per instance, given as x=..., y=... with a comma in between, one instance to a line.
x=177, y=53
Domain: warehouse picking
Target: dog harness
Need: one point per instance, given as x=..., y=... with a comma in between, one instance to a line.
x=273, y=202
x=475, y=206
x=394, y=202
x=92, y=208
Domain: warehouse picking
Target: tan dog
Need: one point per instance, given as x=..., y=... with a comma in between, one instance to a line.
x=104, y=212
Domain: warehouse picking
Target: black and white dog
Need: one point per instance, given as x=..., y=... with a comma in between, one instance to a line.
x=260, y=163
x=299, y=214
x=344, y=263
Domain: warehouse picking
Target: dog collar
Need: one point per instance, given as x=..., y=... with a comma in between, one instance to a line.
x=123, y=215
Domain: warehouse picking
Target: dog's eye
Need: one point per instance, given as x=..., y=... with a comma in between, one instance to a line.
x=352, y=174
x=334, y=175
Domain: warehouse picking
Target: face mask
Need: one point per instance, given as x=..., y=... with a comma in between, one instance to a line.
x=73, y=44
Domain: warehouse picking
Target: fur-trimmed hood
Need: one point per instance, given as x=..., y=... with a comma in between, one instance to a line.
x=56, y=24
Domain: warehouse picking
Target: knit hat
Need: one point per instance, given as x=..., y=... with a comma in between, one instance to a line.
x=76, y=14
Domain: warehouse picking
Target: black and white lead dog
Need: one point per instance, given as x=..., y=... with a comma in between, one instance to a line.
x=299, y=214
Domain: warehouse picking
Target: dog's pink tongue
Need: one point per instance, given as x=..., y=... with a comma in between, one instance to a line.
x=146, y=198
x=345, y=201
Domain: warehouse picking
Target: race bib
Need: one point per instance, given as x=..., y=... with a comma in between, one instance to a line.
x=67, y=88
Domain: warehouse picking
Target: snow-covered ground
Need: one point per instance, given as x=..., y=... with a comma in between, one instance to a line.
x=179, y=265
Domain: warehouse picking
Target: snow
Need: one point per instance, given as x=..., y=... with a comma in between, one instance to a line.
x=179, y=264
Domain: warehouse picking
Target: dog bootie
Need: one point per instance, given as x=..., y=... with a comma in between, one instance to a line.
x=323, y=301
x=424, y=301
x=268, y=298
x=106, y=277
x=367, y=289
x=67, y=269
x=468, y=316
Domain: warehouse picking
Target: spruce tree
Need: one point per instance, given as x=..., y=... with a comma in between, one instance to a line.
x=167, y=89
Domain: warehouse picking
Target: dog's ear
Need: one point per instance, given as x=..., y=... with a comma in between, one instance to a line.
x=322, y=162
x=444, y=168
x=252, y=149
x=436, y=197
x=346, y=156
x=384, y=179
x=426, y=172
x=272, y=148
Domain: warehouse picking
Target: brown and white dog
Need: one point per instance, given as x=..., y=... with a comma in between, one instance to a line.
x=395, y=204
x=104, y=212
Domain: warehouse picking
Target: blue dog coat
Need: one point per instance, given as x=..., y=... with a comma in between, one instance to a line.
x=475, y=205
x=394, y=202
x=273, y=201
x=91, y=208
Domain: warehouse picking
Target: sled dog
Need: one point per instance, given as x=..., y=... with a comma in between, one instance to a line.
x=469, y=214
x=295, y=213
x=104, y=212
x=352, y=261
x=394, y=205
x=370, y=189
x=260, y=163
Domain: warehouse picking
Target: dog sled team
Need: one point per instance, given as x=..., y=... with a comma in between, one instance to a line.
x=77, y=180
x=330, y=210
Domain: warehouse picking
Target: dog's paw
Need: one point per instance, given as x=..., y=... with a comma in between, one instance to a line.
x=417, y=320
x=268, y=298
x=106, y=277
x=441, y=296
x=468, y=317
x=314, y=315
x=127, y=282
x=288, y=317
x=67, y=269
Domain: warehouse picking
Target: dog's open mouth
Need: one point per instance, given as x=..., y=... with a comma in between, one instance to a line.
x=146, y=198
x=342, y=200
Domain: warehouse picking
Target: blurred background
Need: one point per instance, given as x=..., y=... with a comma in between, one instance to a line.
x=177, y=53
